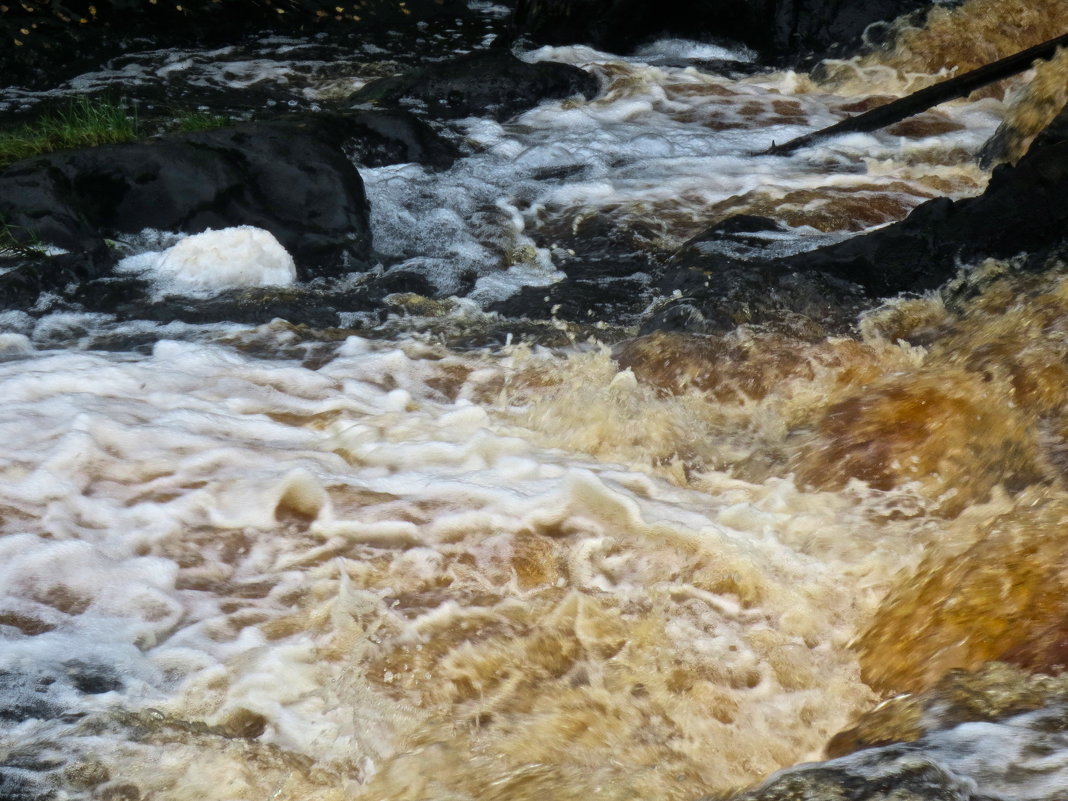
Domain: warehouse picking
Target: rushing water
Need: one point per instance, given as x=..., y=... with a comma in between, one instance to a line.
x=279, y=563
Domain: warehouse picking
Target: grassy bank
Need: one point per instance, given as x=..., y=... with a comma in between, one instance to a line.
x=86, y=122
x=83, y=123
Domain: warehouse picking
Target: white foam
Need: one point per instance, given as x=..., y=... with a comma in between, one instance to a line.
x=205, y=264
x=658, y=142
x=688, y=49
x=12, y=344
x=489, y=8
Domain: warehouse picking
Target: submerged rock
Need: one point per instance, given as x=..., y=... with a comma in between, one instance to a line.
x=998, y=733
x=992, y=693
x=720, y=279
x=606, y=265
x=782, y=31
x=946, y=431
x=489, y=82
x=1001, y=599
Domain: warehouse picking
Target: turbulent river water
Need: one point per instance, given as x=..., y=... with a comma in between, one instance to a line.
x=386, y=563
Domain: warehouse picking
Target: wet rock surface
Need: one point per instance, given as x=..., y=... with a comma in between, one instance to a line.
x=607, y=271
x=787, y=32
x=290, y=178
x=973, y=737
x=993, y=693
x=1019, y=214
x=721, y=279
x=724, y=277
x=45, y=43
x=378, y=138
x=491, y=82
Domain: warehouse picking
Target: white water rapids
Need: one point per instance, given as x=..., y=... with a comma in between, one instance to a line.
x=275, y=563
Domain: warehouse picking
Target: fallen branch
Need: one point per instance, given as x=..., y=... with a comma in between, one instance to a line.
x=907, y=106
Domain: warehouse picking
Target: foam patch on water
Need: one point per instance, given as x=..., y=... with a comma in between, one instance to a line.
x=688, y=49
x=211, y=262
x=489, y=8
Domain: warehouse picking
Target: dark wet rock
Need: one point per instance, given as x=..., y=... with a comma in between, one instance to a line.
x=489, y=82
x=899, y=778
x=988, y=734
x=27, y=277
x=320, y=306
x=718, y=281
x=247, y=307
x=993, y=693
x=44, y=43
x=607, y=266
x=91, y=679
x=35, y=694
x=596, y=289
x=916, y=254
x=127, y=299
x=578, y=300
x=741, y=235
x=408, y=282
x=806, y=31
x=722, y=278
x=1022, y=212
x=290, y=178
x=781, y=31
x=992, y=734
x=380, y=137
x=33, y=761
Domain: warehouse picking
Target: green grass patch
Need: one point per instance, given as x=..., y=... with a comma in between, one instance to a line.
x=86, y=122
x=83, y=123
x=14, y=246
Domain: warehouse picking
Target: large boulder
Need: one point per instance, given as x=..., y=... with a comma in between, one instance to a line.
x=722, y=278
x=1021, y=213
x=781, y=31
x=485, y=83
x=290, y=178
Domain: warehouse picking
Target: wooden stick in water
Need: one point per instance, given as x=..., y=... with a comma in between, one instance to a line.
x=907, y=106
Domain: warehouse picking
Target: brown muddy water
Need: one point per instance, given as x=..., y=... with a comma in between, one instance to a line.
x=275, y=563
